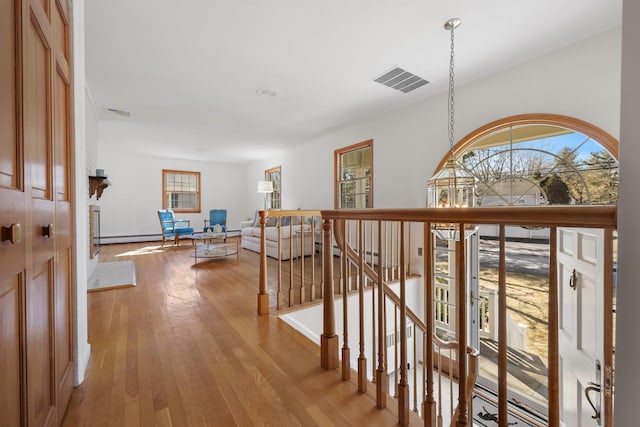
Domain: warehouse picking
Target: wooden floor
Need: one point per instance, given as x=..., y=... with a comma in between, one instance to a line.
x=185, y=347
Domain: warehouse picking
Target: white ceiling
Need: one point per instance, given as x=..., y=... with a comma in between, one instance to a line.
x=188, y=71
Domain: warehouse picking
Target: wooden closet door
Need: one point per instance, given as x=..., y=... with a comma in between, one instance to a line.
x=36, y=280
x=62, y=197
x=12, y=217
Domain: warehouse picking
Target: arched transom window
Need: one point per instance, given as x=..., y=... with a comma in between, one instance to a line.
x=540, y=159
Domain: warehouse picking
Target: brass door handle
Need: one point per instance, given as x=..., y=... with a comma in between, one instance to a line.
x=597, y=388
x=573, y=280
x=12, y=233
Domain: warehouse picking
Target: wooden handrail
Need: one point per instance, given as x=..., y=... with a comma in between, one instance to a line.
x=558, y=216
x=290, y=212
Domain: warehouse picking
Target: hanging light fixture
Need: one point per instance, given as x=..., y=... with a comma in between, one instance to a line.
x=452, y=186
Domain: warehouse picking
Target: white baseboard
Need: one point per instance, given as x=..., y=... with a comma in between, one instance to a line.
x=105, y=240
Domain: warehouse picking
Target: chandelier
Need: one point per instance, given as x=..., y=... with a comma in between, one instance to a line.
x=452, y=186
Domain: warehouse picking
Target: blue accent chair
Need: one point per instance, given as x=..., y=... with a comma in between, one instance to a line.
x=173, y=228
x=216, y=217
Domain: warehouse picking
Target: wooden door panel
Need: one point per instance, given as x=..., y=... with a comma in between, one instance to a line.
x=8, y=67
x=37, y=93
x=41, y=399
x=12, y=211
x=63, y=330
x=60, y=29
x=36, y=273
x=61, y=136
x=11, y=366
x=63, y=229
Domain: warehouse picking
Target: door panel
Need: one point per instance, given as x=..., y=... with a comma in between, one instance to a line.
x=39, y=332
x=36, y=276
x=61, y=137
x=12, y=211
x=61, y=28
x=581, y=294
x=63, y=330
x=37, y=93
x=8, y=66
x=63, y=220
x=11, y=314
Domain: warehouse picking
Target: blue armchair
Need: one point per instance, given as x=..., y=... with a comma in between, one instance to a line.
x=216, y=217
x=173, y=228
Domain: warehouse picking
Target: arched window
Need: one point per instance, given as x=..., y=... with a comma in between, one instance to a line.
x=525, y=160
x=540, y=159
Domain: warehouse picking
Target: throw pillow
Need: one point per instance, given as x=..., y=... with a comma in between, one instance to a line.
x=272, y=221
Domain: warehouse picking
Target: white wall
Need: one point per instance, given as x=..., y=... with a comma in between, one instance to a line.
x=582, y=81
x=82, y=348
x=128, y=207
x=627, y=380
x=91, y=148
x=309, y=322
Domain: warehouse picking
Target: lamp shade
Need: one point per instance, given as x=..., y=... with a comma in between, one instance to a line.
x=265, y=187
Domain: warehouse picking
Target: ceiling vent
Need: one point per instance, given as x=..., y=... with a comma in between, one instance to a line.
x=401, y=80
x=117, y=111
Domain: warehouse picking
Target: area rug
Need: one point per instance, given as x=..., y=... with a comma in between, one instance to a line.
x=112, y=275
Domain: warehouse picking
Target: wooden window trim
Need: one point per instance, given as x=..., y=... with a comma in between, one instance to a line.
x=336, y=170
x=596, y=134
x=199, y=190
x=577, y=125
x=266, y=177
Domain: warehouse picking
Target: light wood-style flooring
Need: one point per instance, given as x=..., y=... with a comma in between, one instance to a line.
x=185, y=347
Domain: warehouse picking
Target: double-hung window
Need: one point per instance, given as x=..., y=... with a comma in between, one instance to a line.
x=354, y=176
x=274, y=200
x=181, y=190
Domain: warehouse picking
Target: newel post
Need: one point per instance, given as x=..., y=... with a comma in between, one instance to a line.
x=263, y=294
x=328, y=339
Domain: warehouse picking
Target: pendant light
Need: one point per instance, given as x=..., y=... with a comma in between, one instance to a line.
x=452, y=186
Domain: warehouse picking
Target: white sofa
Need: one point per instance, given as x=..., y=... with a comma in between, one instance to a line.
x=250, y=235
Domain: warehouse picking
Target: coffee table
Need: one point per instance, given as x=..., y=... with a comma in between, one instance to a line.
x=213, y=245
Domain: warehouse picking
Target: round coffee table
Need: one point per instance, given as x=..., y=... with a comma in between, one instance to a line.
x=211, y=245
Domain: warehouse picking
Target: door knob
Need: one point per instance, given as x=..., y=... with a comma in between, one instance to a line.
x=47, y=230
x=13, y=233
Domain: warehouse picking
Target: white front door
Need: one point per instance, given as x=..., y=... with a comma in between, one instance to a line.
x=581, y=330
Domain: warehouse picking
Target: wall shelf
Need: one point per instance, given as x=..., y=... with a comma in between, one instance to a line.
x=97, y=184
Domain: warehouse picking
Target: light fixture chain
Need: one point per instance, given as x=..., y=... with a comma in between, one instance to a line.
x=451, y=91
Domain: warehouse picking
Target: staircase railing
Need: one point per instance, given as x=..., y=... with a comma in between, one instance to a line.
x=367, y=263
x=297, y=278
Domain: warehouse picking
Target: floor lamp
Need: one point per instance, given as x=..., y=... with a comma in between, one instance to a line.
x=265, y=187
